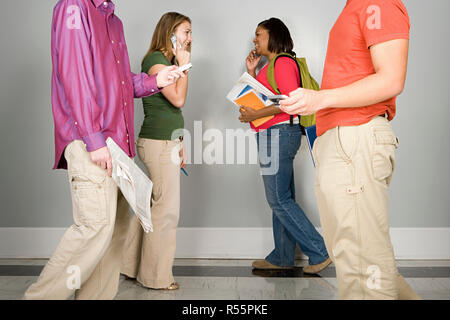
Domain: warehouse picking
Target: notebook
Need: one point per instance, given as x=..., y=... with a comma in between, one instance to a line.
x=251, y=99
x=311, y=136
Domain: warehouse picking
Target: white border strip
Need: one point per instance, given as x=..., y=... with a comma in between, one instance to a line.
x=226, y=243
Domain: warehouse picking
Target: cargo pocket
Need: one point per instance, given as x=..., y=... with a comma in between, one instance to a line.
x=383, y=157
x=89, y=200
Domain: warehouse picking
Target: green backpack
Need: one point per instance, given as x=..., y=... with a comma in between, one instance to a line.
x=308, y=82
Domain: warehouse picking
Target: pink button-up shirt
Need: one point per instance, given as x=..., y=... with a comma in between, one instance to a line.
x=92, y=83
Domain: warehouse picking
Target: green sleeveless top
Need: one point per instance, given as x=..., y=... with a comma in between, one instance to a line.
x=161, y=117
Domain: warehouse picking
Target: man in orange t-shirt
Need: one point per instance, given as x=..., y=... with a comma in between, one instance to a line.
x=365, y=69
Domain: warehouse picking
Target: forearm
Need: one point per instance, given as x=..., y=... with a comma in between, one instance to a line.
x=365, y=92
x=181, y=88
x=269, y=111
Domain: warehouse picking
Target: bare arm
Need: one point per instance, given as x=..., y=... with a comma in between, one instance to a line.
x=248, y=114
x=269, y=111
x=390, y=62
x=176, y=93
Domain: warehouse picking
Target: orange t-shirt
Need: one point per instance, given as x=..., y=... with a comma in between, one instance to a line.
x=361, y=24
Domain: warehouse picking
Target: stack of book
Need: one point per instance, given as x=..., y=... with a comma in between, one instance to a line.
x=248, y=92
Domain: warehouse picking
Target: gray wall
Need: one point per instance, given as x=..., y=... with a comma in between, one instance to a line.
x=32, y=195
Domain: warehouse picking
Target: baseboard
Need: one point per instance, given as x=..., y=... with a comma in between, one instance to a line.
x=225, y=243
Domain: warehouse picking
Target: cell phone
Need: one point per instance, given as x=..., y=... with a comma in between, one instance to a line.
x=185, y=67
x=276, y=99
x=173, y=38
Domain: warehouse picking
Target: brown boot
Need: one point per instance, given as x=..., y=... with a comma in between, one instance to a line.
x=316, y=268
x=264, y=264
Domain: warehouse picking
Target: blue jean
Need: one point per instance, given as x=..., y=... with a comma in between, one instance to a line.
x=290, y=224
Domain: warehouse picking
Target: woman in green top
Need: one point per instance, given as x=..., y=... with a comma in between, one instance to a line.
x=149, y=257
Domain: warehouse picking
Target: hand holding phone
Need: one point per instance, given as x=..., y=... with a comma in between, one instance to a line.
x=173, y=39
x=185, y=67
x=252, y=62
x=276, y=99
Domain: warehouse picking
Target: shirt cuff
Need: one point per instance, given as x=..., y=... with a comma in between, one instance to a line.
x=144, y=85
x=150, y=84
x=94, y=141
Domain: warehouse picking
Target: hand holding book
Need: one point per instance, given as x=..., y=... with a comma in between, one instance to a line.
x=254, y=103
x=250, y=93
x=248, y=114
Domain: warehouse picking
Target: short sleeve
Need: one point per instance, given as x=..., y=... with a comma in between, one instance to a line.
x=384, y=20
x=286, y=75
x=156, y=57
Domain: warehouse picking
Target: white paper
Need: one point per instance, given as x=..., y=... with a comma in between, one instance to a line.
x=247, y=80
x=135, y=185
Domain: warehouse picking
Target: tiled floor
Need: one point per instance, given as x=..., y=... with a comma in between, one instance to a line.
x=235, y=280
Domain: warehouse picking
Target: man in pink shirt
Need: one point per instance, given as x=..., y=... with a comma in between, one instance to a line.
x=92, y=99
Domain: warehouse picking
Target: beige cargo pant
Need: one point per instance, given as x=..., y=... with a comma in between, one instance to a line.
x=354, y=166
x=149, y=257
x=87, y=259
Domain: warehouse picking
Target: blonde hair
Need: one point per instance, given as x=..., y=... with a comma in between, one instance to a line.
x=166, y=26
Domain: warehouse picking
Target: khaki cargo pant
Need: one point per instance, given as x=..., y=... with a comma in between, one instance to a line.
x=149, y=257
x=354, y=166
x=88, y=255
